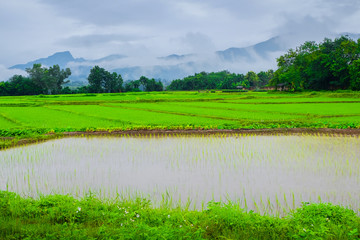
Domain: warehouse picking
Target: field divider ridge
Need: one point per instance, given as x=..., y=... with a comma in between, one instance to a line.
x=86, y=115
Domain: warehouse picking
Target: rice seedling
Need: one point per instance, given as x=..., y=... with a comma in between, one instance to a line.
x=170, y=170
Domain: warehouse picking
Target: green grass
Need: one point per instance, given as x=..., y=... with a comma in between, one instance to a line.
x=138, y=116
x=63, y=217
x=206, y=109
x=29, y=116
x=41, y=117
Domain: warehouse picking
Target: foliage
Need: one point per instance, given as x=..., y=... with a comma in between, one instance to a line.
x=63, y=217
x=148, y=85
x=101, y=80
x=41, y=80
x=329, y=65
x=222, y=80
x=205, y=80
x=50, y=80
x=19, y=85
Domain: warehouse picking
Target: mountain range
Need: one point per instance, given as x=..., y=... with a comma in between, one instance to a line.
x=260, y=56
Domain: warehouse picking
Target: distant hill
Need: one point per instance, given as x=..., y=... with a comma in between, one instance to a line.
x=237, y=59
x=262, y=49
x=176, y=57
x=60, y=58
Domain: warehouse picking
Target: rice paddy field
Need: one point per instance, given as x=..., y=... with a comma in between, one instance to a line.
x=177, y=110
x=163, y=185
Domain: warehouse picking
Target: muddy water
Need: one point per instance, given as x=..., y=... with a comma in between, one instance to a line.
x=264, y=173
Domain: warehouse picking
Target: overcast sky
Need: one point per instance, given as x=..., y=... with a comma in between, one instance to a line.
x=32, y=29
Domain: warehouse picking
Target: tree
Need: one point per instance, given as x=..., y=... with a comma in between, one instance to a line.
x=265, y=77
x=132, y=86
x=101, y=80
x=329, y=65
x=50, y=80
x=96, y=79
x=253, y=79
x=150, y=84
x=20, y=85
x=213, y=80
x=355, y=75
x=56, y=77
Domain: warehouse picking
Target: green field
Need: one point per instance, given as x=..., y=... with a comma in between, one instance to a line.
x=34, y=116
x=180, y=109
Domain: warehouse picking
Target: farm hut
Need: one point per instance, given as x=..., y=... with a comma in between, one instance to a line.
x=283, y=86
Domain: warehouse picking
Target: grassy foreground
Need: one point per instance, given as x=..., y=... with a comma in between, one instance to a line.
x=63, y=217
x=41, y=117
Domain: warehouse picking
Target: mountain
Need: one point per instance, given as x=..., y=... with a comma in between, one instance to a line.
x=174, y=66
x=170, y=67
x=251, y=53
x=60, y=58
x=260, y=56
x=176, y=57
x=109, y=58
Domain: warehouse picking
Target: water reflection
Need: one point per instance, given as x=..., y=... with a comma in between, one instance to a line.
x=265, y=173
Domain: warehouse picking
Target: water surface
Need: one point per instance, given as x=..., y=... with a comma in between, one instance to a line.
x=265, y=173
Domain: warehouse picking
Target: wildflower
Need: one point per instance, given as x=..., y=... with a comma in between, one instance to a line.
x=79, y=209
x=137, y=215
x=180, y=225
x=168, y=216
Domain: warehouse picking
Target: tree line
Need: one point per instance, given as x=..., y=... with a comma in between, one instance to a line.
x=329, y=65
x=42, y=80
x=222, y=80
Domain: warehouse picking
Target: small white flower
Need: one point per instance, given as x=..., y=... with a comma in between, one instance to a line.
x=180, y=225
x=121, y=224
x=168, y=216
x=137, y=215
x=79, y=209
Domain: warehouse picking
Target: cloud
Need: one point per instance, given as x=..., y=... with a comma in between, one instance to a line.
x=98, y=39
x=197, y=43
x=145, y=30
x=6, y=74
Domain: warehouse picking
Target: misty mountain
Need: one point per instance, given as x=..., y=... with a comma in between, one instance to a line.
x=170, y=67
x=260, y=56
x=64, y=59
x=176, y=57
x=251, y=53
x=60, y=58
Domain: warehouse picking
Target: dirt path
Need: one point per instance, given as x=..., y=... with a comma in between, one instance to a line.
x=284, y=131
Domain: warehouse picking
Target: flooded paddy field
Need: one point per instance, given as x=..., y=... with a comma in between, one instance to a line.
x=268, y=174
